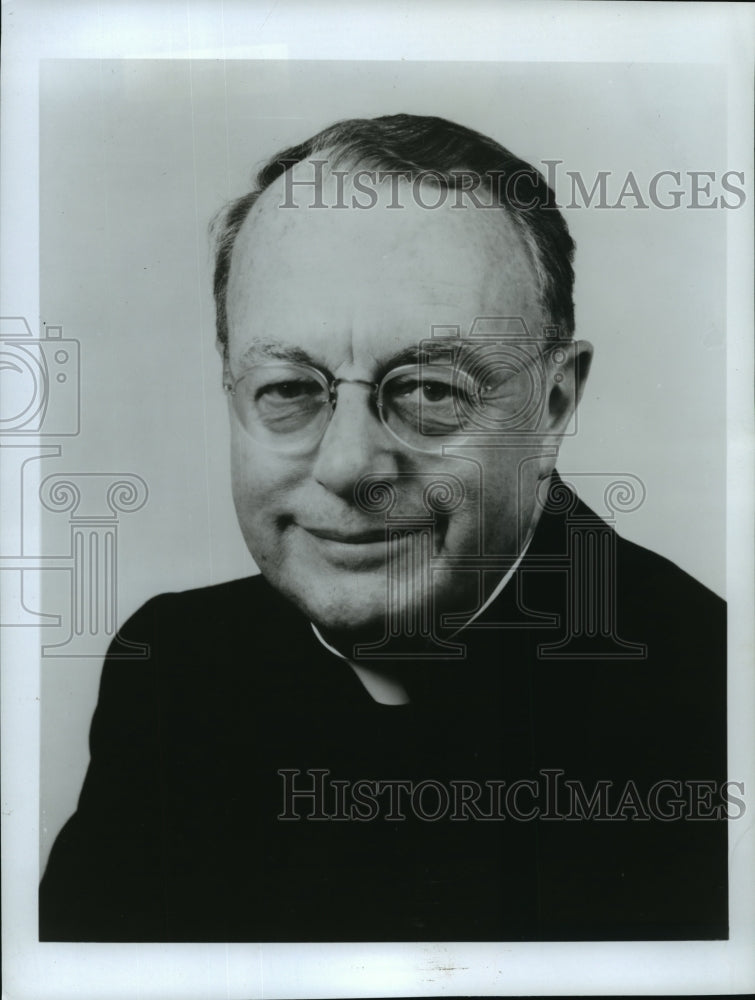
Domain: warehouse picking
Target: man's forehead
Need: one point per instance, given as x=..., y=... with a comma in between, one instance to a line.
x=442, y=345
x=381, y=275
x=323, y=196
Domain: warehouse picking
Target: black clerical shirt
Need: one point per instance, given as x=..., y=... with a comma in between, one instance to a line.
x=244, y=786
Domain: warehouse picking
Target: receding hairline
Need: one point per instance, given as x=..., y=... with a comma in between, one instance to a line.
x=486, y=219
x=414, y=145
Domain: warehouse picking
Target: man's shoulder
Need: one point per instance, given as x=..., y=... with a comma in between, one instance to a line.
x=608, y=586
x=660, y=581
x=200, y=653
x=678, y=619
x=637, y=575
x=203, y=617
x=215, y=597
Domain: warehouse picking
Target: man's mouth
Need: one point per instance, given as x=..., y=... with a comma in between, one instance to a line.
x=360, y=546
x=353, y=550
x=363, y=537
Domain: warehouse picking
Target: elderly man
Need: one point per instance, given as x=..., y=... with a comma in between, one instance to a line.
x=455, y=705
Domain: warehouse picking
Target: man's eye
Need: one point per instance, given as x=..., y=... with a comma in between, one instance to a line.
x=429, y=390
x=437, y=392
x=289, y=391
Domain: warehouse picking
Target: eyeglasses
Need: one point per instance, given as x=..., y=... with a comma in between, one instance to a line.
x=287, y=406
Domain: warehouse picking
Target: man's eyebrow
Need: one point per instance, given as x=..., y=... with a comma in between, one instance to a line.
x=440, y=349
x=276, y=351
x=426, y=350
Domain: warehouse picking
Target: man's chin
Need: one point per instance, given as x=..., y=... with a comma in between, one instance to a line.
x=363, y=605
x=347, y=619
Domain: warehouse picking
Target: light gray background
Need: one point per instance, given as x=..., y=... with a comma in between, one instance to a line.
x=136, y=156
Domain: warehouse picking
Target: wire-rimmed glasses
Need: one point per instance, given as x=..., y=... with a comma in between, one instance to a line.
x=425, y=405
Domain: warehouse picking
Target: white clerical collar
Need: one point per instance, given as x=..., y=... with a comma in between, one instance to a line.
x=498, y=590
x=381, y=684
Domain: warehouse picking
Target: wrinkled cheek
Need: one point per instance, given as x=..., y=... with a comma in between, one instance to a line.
x=258, y=476
x=262, y=485
x=248, y=513
x=493, y=518
x=244, y=483
x=251, y=495
x=460, y=531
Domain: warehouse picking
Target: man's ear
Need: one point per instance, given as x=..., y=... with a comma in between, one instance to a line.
x=568, y=368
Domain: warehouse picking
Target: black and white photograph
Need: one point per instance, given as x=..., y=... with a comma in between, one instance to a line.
x=377, y=501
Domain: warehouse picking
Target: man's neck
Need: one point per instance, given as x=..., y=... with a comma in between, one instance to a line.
x=384, y=684
x=381, y=683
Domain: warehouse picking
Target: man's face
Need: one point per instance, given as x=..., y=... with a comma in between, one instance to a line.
x=352, y=290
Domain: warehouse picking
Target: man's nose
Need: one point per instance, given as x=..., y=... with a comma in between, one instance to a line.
x=355, y=443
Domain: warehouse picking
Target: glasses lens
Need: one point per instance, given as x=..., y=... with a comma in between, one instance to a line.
x=428, y=404
x=512, y=390
x=284, y=405
x=424, y=403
